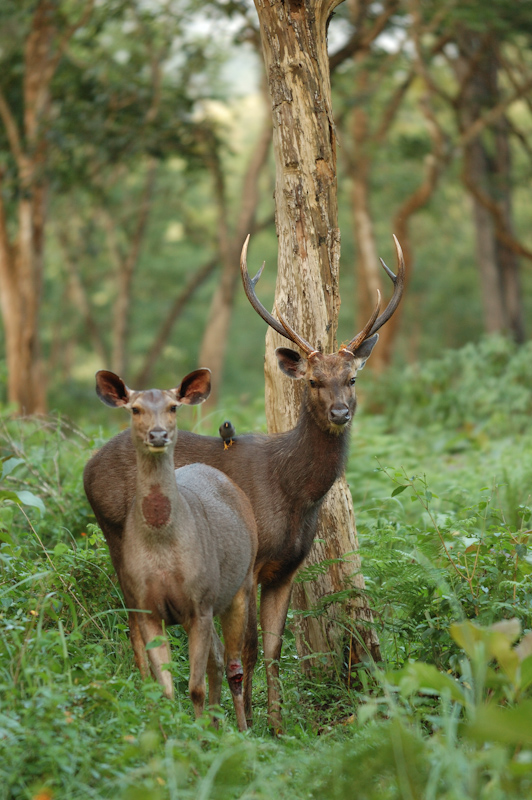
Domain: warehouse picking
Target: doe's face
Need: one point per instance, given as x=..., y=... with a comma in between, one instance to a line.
x=153, y=419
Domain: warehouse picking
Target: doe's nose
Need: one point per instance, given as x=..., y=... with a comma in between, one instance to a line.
x=339, y=415
x=158, y=437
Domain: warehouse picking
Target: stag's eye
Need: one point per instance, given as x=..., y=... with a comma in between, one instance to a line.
x=352, y=381
x=135, y=411
x=313, y=384
x=173, y=409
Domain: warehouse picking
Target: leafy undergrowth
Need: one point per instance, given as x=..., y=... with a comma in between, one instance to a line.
x=441, y=474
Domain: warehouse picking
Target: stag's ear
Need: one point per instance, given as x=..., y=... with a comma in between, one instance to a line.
x=111, y=389
x=291, y=363
x=194, y=388
x=363, y=352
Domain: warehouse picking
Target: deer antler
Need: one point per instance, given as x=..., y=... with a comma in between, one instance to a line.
x=378, y=322
x=295, y=337
x=249, y=288
x=372, y=326
x=283, y=327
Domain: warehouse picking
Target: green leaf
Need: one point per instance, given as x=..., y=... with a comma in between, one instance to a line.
x=9, y=465
x=496, y=640
x=399, y=489
x=525, y=673
x=420, y=677
x=509, y=725
x=60, y=548
x=156, y=642
x=30, y=499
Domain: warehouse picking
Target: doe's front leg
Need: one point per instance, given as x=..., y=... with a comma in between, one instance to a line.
x=150, y=629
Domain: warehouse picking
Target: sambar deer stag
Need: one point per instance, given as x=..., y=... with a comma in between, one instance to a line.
x=190, y=541
x=286, y=475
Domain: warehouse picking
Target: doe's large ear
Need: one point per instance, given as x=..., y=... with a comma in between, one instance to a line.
x=111, y=389
x=194, y=388
x=363, y=352
x=291, y=363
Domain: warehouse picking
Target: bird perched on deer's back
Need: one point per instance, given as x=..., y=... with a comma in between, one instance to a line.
x=227, y=431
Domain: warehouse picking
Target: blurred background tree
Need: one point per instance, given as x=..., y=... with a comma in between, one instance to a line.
x=134, y=156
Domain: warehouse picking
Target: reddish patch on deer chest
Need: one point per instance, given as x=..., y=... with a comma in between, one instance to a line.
x=156, y=507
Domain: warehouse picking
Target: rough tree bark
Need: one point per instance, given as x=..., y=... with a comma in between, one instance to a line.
x=295, y=52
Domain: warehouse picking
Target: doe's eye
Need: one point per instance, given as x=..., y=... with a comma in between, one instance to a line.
x=352, y=381
x=313, y=384
x=173, y=409
x=135, y=411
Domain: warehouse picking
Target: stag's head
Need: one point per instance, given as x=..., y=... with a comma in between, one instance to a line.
x=330, y=379
x=153, y=412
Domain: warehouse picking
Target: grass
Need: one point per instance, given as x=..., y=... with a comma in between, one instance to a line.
x=441, y=473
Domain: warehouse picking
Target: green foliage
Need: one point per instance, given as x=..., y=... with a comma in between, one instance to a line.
x=445, y=541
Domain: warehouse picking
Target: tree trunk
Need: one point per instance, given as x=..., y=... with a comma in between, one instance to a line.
x=295, y=53
x=486, y=174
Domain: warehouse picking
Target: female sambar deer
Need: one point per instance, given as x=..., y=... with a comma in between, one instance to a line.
x=285, y=475
x=190, y=542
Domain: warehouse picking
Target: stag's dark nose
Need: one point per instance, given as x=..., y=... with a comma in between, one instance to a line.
x=339, y=415
x=158, y=437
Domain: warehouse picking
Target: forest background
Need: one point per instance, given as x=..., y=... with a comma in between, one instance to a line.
x=134, y=159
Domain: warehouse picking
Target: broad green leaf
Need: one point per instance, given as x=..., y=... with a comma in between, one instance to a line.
x=525, y=673
x=60, y=548
x=420, y=677
x=30, y=499
x=496, y=640
x=510, y=725
x=9, y=465
x=398, y=490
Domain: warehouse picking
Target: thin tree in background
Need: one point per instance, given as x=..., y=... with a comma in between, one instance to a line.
x=22, y=252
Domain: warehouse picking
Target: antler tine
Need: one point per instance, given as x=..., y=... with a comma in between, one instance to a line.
x=399, y=285
x=365, y=332
x=249, y=288
x=295, y=337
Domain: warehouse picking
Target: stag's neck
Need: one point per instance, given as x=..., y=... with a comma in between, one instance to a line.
x=313, y=458
x=158, y=503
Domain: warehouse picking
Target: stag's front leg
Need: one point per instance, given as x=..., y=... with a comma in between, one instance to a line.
x=274, y=602
x=250, y=653
x=215, y=669
x=233, y=627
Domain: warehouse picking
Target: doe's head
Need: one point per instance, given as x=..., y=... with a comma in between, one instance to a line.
x=153, y=412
